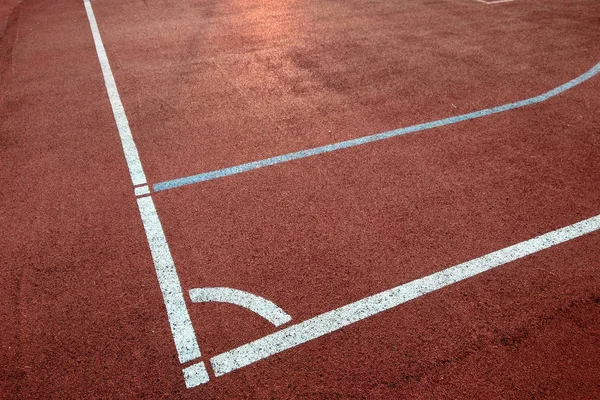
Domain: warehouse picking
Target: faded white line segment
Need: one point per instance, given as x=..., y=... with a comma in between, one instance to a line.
x=179, y=318
x=331, y=321
x=261, y=306
x=131, y=154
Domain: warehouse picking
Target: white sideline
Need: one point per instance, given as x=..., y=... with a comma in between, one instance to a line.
x=131, y=154
x=179, y=319
x=320, y=325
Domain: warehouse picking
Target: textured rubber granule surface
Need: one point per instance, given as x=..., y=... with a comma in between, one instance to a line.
x=211, y=84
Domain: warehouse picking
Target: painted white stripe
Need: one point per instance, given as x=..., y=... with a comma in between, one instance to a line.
x=331, y=321
x=131, y=154
x=195, y=375
x=261, y=306
x=494, y=1
x=181, y=325
x=142, y=190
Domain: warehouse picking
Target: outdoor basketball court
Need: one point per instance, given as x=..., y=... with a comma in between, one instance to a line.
x=295, y=199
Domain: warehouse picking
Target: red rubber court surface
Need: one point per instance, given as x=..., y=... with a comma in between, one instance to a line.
x=447, y=248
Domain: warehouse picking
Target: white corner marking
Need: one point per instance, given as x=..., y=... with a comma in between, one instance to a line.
x=261, y=306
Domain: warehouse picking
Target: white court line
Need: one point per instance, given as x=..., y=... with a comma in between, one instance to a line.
x=331, y=321
x=170, y=286
x=141, y=190
x=183, y=333
x=257, y=304
x=195, y=375
x=181, y=325
x=131, y=154
x=494, y=1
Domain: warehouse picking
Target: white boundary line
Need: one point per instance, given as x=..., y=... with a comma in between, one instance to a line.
x=338, y=318
x=181, y=325
x=490, y=2
x=168, y=280
x=131, y=154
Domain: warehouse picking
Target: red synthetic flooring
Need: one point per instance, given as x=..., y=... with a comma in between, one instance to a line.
x=259, y=79
x=208, y=85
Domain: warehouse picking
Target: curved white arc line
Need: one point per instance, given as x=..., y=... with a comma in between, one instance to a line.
x=261, y=306
x=132, y=157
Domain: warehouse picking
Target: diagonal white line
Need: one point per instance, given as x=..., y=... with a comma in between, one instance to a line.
x=331, y=321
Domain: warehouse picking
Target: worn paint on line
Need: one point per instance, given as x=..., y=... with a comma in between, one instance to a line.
x=195, y=375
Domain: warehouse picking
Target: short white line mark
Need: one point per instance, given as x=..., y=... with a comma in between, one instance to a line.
x=261, y=306
x=195, y=375
x=141, y=190
x=494, y=1
x=181, y=325
x=131, y=154
x=331, y=321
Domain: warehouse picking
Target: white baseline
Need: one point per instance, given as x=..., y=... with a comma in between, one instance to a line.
x=331, y=321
